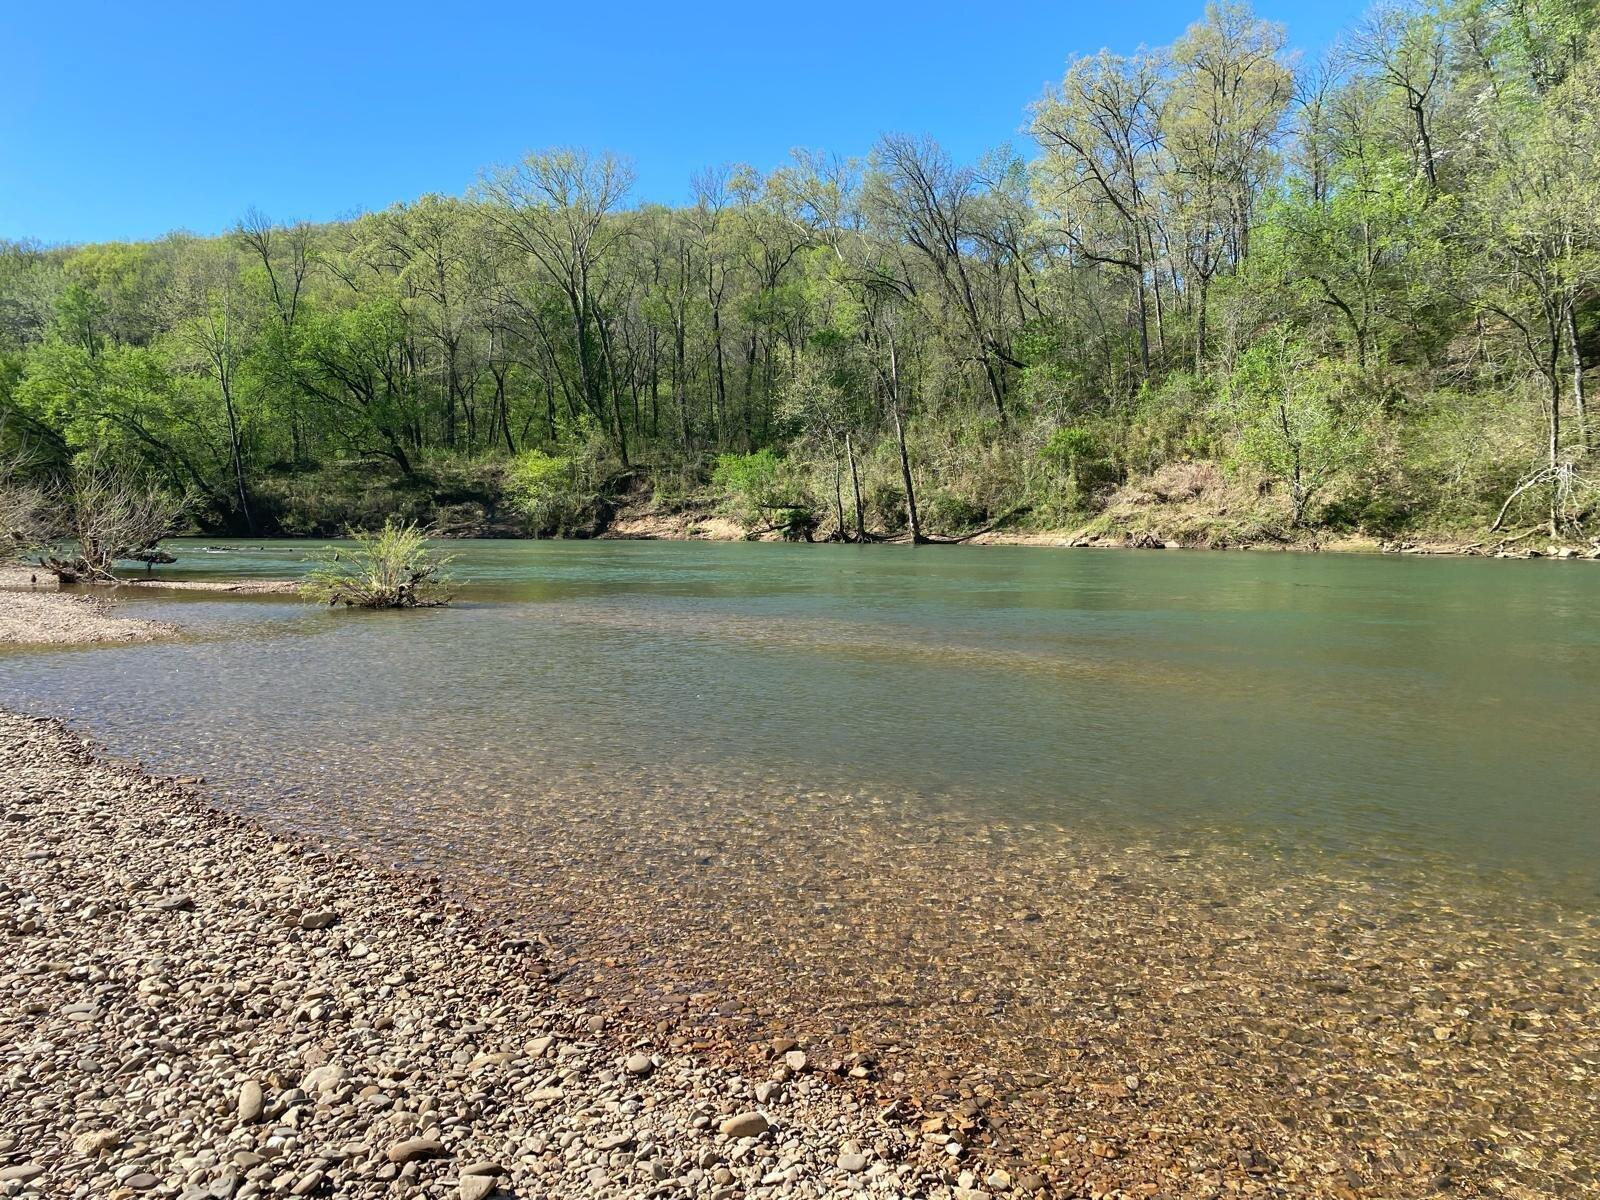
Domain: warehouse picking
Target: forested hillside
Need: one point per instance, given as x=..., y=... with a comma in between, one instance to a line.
x=1226, y=295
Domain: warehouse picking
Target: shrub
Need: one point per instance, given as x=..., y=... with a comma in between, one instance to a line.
x=761, y=490
x=1295, y=418
x=886, y=506
x=796, y=524
x=750, y=482
x=392, y=568
x=949, y=513
x=556, y=492
x=25, y=523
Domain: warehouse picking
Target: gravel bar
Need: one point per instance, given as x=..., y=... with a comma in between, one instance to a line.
x=193, y=1007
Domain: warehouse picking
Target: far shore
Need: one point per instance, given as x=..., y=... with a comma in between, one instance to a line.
x=688, y=527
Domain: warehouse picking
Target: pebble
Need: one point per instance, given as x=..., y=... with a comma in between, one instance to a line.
x=745, y=1125
x=640, y=1065
x=414, y=1148
x=250, y=1102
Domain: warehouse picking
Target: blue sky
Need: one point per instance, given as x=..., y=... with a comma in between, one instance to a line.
x=123, y=120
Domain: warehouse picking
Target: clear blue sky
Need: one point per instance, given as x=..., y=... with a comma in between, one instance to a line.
x=126, y=120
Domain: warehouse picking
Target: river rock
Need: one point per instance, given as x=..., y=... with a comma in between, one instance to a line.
x=414, y=1148
x=640, y=1065
x=96, y=1142
x=250, y=1103
x=745, y=1125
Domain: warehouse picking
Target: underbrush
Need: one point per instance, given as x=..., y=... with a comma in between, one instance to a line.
x=1195, y=504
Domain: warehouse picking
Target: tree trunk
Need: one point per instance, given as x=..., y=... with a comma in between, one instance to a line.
x=855, y=484
x=1555, y=439
x=1579, y=401
x=900, y=437
x=838, y=496
x=237, y=455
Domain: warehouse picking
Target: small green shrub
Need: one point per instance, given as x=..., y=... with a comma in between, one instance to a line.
x=392, y=568
x=886, y=506
x=947, y=513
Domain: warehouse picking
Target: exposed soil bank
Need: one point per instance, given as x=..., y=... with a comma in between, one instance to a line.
x=192, y=1007
x=644, y=523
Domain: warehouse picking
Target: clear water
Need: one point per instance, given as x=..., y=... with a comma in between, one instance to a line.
x=1310, y=844
x=1443, y=710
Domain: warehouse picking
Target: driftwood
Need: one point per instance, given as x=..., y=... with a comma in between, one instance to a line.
x=928, y=540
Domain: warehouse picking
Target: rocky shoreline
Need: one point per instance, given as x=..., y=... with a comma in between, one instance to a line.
x=193, y=1007
x=50, y=617
x=34, y=611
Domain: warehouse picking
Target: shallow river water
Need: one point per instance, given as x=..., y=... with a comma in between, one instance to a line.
x=1228, y=871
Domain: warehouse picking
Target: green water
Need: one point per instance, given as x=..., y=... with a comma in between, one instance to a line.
x=1307, y=843
x=1378, y=707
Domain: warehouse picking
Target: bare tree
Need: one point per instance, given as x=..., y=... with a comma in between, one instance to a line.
x=26, y=524
x=110, y=517
x=558, y=208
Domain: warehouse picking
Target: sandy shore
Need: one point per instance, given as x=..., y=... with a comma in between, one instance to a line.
x=34, y=611
x=190, y=1007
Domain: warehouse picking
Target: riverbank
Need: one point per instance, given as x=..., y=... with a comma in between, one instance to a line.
x=34, y=612
x=1176, y=532
x=196, y=1008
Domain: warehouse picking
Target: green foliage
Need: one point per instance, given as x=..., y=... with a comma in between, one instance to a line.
x=1378, y=300
x=947, y=513
x=543, y=487
x=752, y=484
x=1295, y=419
x=391, y=568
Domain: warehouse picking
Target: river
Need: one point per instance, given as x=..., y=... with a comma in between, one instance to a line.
x=987, y=810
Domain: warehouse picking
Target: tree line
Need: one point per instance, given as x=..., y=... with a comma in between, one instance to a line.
x=1356, y=292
